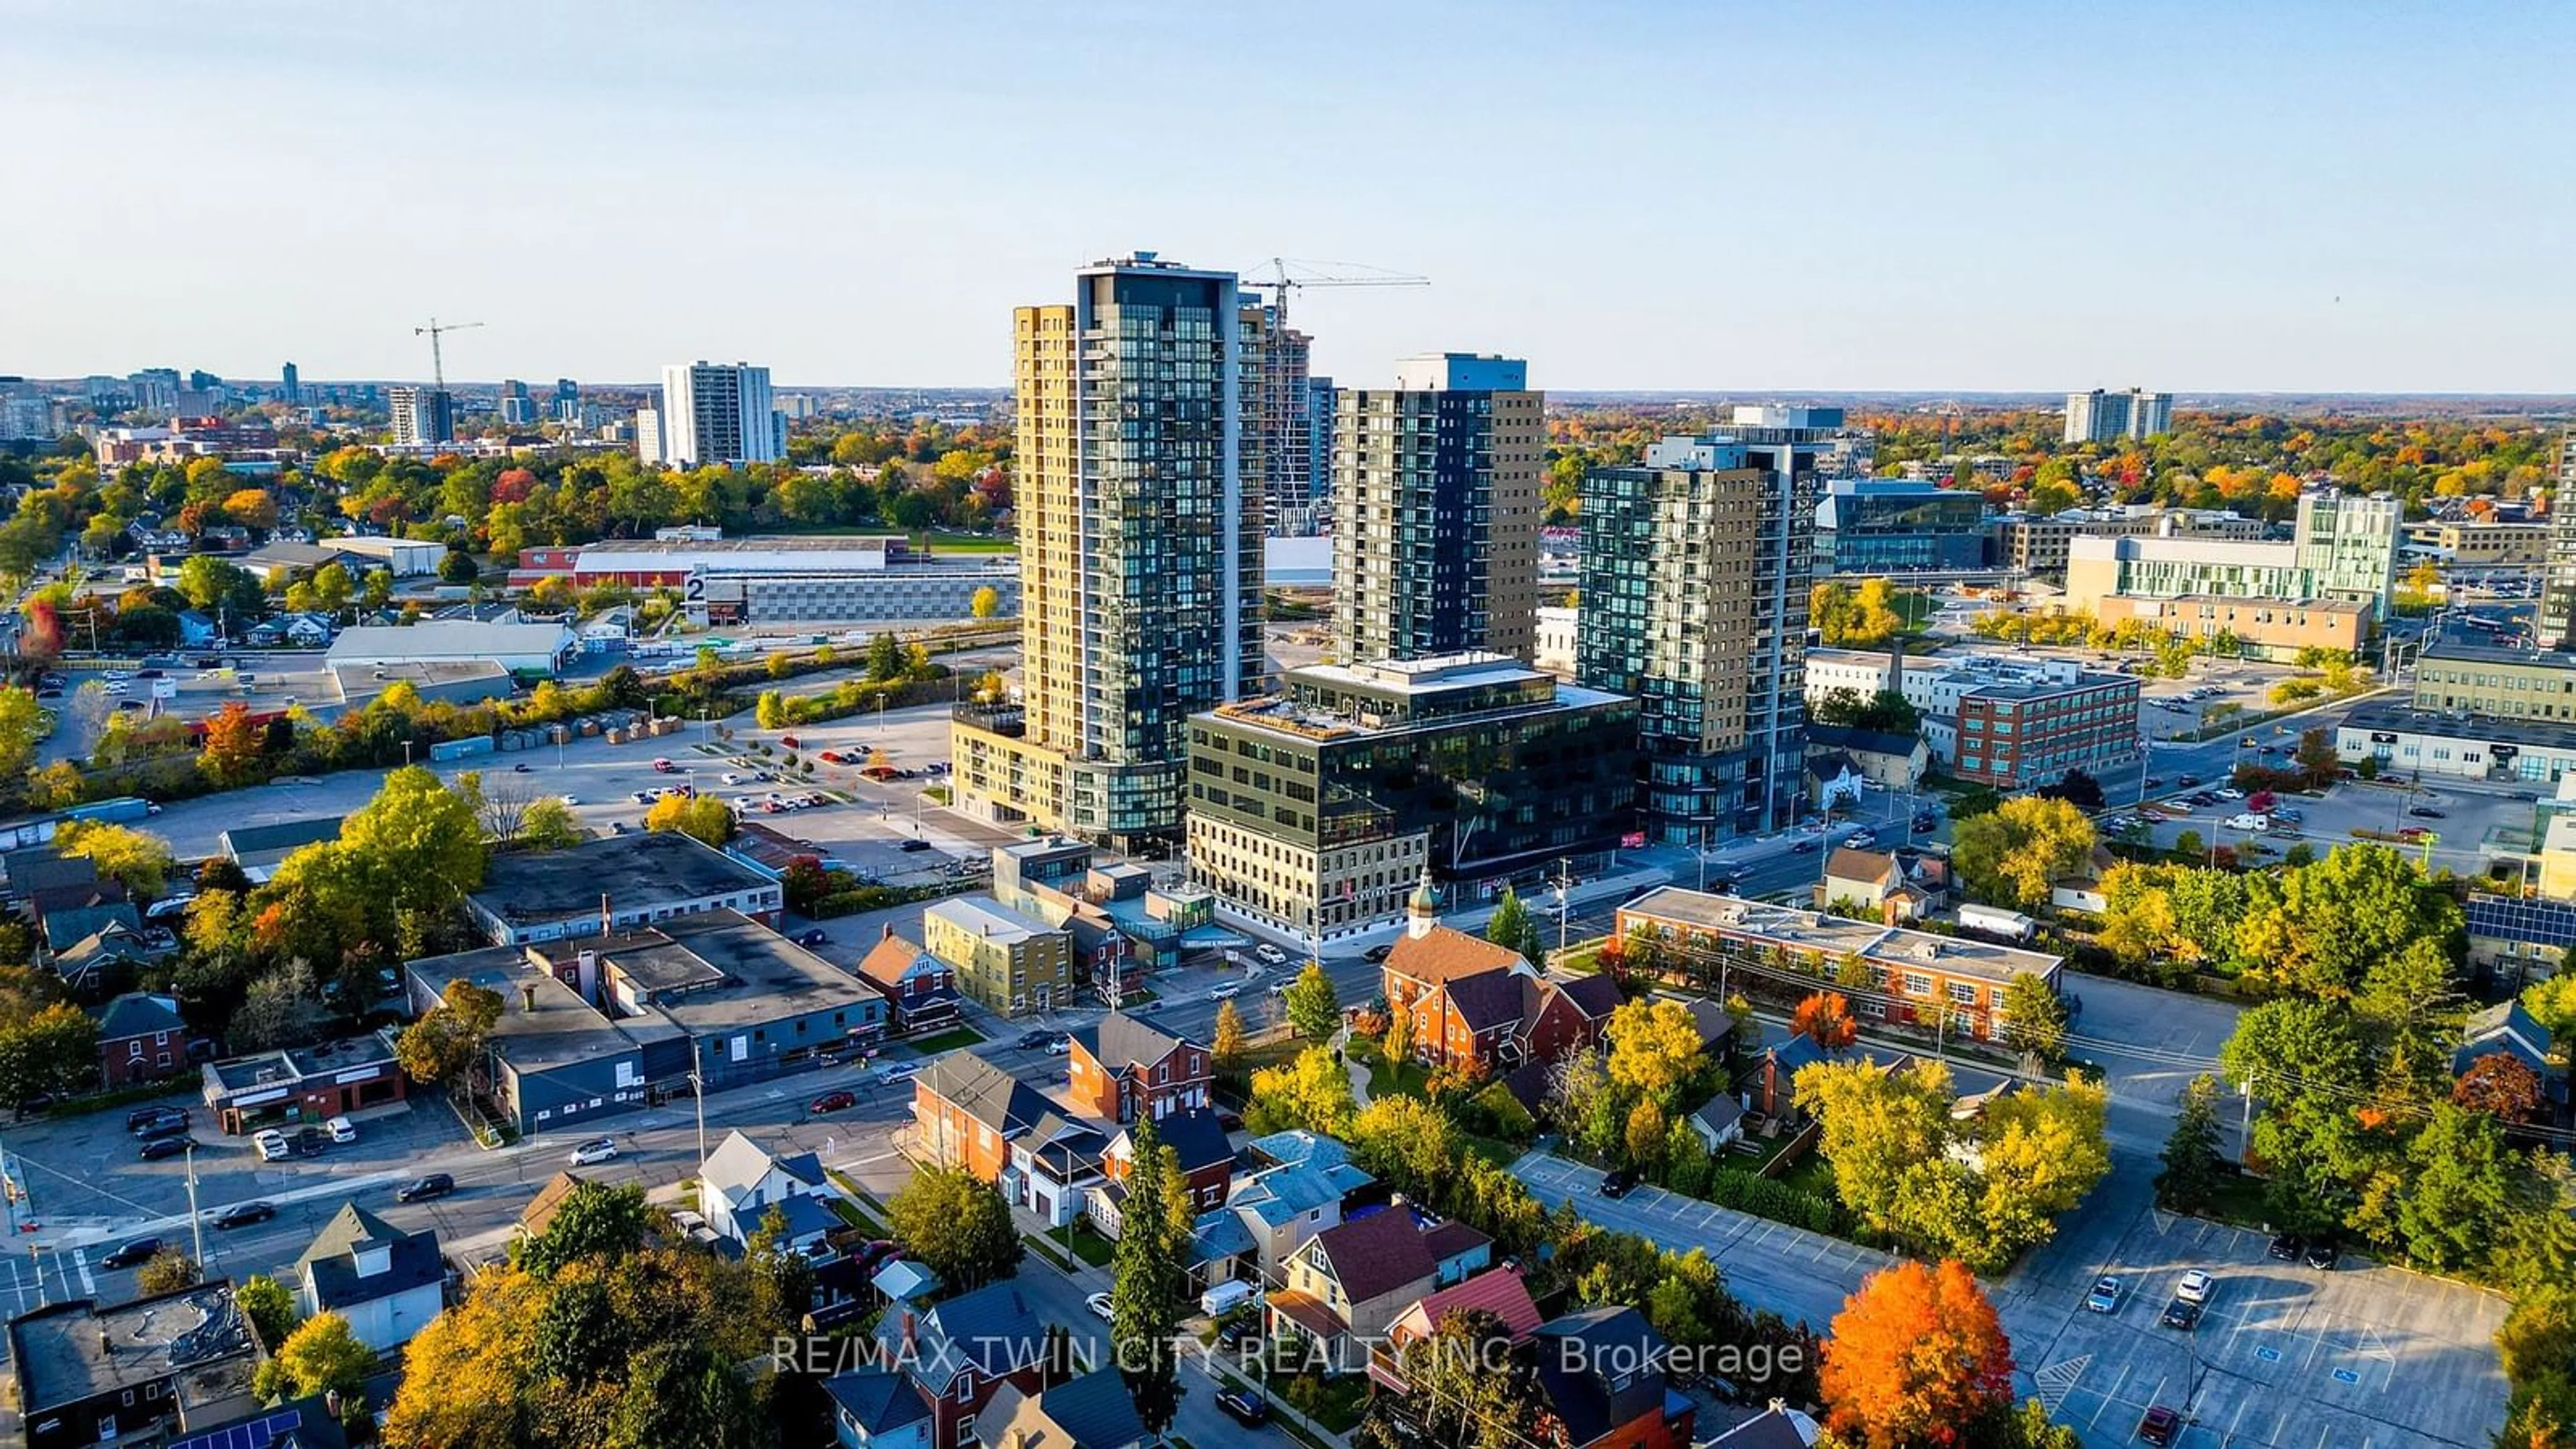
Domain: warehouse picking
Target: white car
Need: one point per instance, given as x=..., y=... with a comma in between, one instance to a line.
x=1059, y=1046
x=2195, y=1287
x=732, y=778
x=2249, y=822
x=597, y=1149
x=569, y=799
x=2228, y=792
x=1098, y=1303
x=1225, y=993
x=901, y=1071
x=272, y=1145
x=1269, y=953
x=342, y=1130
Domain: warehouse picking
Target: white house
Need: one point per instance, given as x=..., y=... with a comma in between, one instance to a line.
x=388, y=1283
x=742, y=1181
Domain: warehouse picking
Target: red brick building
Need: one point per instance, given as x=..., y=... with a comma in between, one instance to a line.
x=967, y=1113
x=1123, y=1068
x=1475, y=1005
x=140, y=1039
x=919, y=988
x=1601, y=1384
x=1207, y=1159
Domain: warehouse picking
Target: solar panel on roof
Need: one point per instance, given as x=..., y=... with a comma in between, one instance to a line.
x=256, y=1434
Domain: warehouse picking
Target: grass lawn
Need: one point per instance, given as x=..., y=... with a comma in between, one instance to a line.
x=1088, y=1245
x=1915, y=608
x=1395, y=1079
x=949, y=1040
x=1337, y=1404
x=2239, y=1200
x=1811, y=1174
x=946, y=542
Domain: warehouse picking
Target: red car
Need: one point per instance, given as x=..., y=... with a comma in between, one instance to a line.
x=831, y=1102
x=2160, y=1425
x=789, y=741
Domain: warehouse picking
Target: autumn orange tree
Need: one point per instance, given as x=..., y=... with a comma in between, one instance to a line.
x=1825, y=1019
x=1917, y=1357
x=233, y=741
x=2501, y=1085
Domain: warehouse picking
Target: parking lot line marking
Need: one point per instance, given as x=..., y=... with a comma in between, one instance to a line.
x=89, y=1285
x=2237, y=1418
x=2113, y=1394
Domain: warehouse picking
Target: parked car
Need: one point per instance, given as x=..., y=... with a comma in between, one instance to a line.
x=272, y=1145
x=2181, y=1314
x=1238, y=1330
x=422, y=1189
x=342, y=1130
x=1803, y=847
x=2426, y=812
x=2321, y=1256
x=161, y=1147
x=126, y=1255
x=1059, y=1045
x=1616, y=1184
x=893, y=1072
x=1098, y=1303
x=165, y=1126
x=1225, y=993
x=2196, y=1286
x=1246, y=1410
x=151, y=1121
x=2105, y=1297
x=243, y=1214
x=2186, y=781
x=1270, y=953
x=814, y=937
x=1379, y=952
x=1034, y=1040
x=831, y=1102
x=916, y=843
x=2159, y=1426
x=597, y=1149
x=2284, y=1248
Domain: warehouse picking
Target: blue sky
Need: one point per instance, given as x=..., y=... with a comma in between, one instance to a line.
x=1964, y=196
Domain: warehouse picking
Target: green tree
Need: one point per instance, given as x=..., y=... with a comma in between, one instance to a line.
x=769, y=712
x=596, y=1222
x=22, y=727
x=678, y=1392
x=702, y=817
x=2012, y=854
x=283, y=1008
x=1313, y=1092
x=459, y=567
x=51, y=1052
x=444, y=1042
x=323, y=1355
x=2035, y=1019
x=2317, y=930
x=2463, y=1185
x=421, y=842
x=885, y=657
x=1314, y=1007
x=1512, y=929
x=167, y=1271
x=1149, y=1279
x=2192, y=1165
x=957, y=1225
x=782, y=1276
x=550, y=825
x=270, y=1307
x=1471, y=1389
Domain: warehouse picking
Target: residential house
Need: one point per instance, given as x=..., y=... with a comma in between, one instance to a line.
x=1304, y=1188
x=1345, y=1288
x=919, y=988
x=260, y=849
x=1832, y=779
x=1206, y=1163
x=140, y=1039
x=1777, y=1427
x=1499, y=1292
x=2506, y=1029
x=743, y=1182
x=961, y=1352
x=2514, y=939
x=388, y=1283
x=1055, y=1167
x=83, y=943
x=2083, y=890
x=539, y=1214
x=1884, y=758
x=1094, y=1411
x=1122, y=1068
x=1601, y=1384
x=1221, y=1249
x=1477, y=1006
x=1458, y=1252
x=875, y=1408
x=966, y=1112
x=1719, y=1121
x=1775, y=1073
x=1887, y=886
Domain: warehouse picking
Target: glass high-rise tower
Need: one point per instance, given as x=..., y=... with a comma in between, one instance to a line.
x=1140, y=550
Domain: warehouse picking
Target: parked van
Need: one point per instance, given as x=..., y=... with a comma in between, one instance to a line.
x=1226, y=1297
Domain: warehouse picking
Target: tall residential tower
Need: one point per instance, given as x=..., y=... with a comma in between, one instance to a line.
x=1694, y=586
x=718, y=413
x=1140, y=551
x=2109, y=417
x=1436, y=509
x=2558, y=579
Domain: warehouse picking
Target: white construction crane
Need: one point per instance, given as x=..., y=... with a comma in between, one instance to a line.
x=1292, y=273
x=437, y=361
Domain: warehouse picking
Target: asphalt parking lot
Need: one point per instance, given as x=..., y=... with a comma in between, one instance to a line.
x=2477, y=819
x=2361, y=1357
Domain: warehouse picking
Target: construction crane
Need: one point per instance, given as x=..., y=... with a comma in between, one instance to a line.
x=437, y=361
x=1292, y=273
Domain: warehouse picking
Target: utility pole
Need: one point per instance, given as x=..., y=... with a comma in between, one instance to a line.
x=1564, y=908
x=698, y=1094
x=196, y=1223
x=2245, y=1133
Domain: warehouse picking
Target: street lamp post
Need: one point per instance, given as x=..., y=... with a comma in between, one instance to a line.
x=698, y=1094
x=196, y=1224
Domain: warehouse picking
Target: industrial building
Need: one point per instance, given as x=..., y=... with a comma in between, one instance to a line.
x=605, y=1024
x=1999, y=719
x=615, y=882
x=1317, y=810
x=537, y=649
x=792, y=580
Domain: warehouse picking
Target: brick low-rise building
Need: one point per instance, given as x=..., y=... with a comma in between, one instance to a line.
x=1123, y=1068
x=140, y=1039
x=1477, y=1006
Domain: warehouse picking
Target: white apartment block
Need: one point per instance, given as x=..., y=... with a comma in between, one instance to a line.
x=717, y=413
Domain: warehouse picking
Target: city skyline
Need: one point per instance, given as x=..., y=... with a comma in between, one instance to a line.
x=1951, y=229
